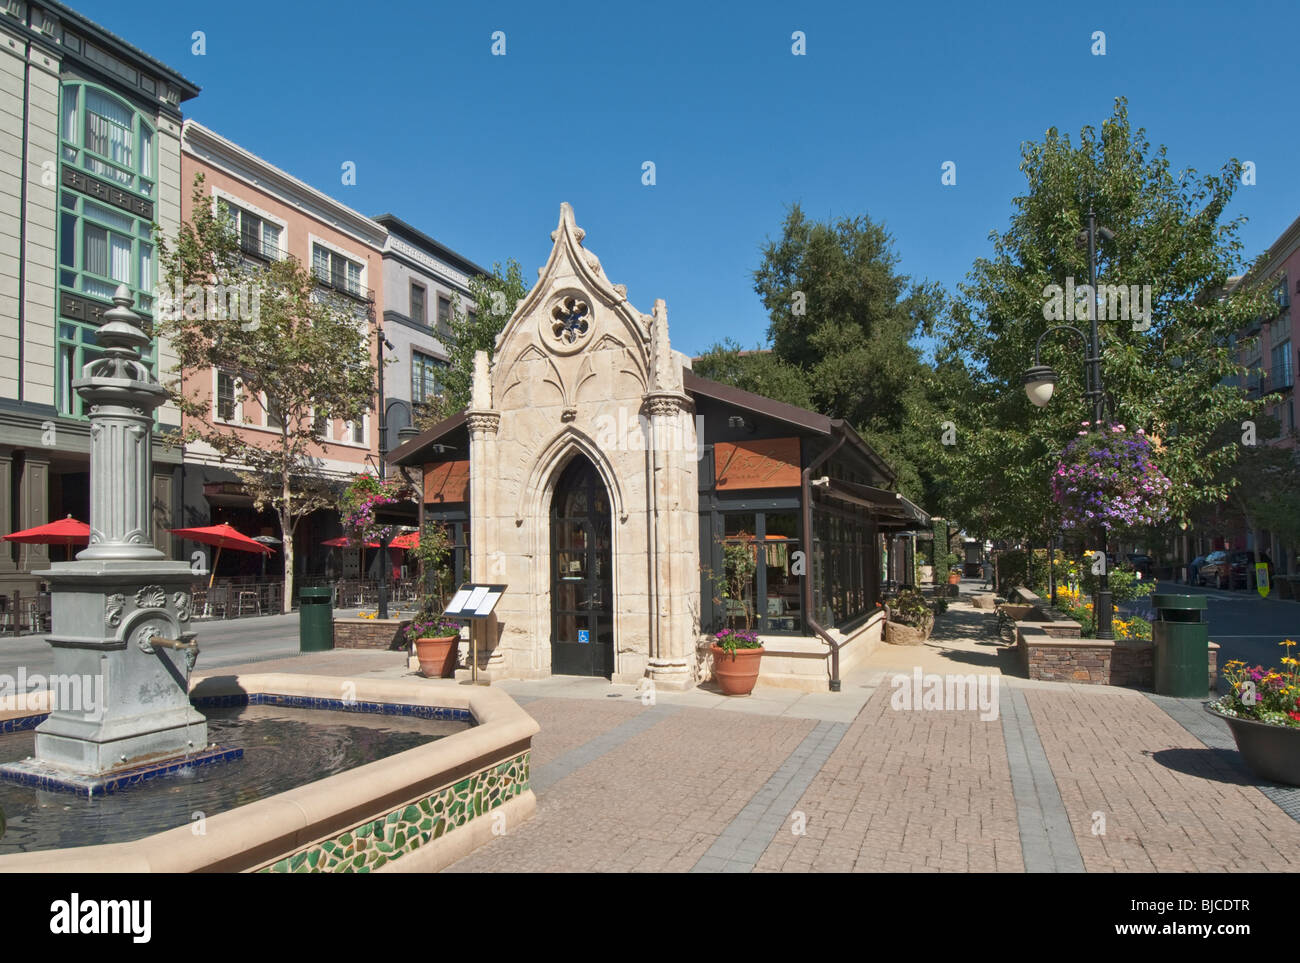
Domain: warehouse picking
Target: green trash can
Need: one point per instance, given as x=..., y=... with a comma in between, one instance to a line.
x=315, y=620
x=1182, y=646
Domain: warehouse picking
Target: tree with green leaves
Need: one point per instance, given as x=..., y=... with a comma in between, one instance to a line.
x=841, y=327
x=1168, y=371
x=301, y=352
x=494, y=297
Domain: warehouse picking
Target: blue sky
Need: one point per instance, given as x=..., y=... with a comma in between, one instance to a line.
x=479, y=150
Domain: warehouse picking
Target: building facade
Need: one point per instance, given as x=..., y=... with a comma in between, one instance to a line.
x=421, y=280
x=631, y=507
x=91, y=139
x=279, y=216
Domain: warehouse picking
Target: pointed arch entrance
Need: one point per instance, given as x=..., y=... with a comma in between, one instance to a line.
x=582, y=573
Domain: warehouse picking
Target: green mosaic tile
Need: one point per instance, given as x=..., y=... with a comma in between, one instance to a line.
x=388, y=837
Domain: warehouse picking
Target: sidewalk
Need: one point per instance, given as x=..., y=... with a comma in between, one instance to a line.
x=1066, y=778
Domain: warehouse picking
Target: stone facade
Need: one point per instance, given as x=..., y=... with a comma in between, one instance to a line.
x=368, y=633
x=575, y=358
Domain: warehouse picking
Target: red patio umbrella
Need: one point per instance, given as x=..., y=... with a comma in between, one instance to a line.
x=222, y=536
x=343, y=542
x=407, y=541
x=66, y=531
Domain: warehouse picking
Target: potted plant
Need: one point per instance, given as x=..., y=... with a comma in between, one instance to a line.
x=909, y=619
x=736, y=656
x=437, y=641
x=1263, y=712
x=435, y=637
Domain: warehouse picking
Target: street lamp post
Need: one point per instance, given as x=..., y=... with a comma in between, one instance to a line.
x=1040, y=382
x=383, y=451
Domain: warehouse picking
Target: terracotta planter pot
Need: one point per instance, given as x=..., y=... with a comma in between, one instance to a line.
x=437, y=656
x=954, y=578
x=736, y=672
x=1270, y=752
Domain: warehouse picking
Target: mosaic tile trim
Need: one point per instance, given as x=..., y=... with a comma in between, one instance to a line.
x=41, y=777
x=441, y=713
x=372, y=844
x=23, y=722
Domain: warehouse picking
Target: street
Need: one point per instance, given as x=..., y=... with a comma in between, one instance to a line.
x=221, y=642
x=1245, y=626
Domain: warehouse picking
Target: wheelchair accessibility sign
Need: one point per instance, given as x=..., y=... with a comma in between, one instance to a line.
x=584, y=635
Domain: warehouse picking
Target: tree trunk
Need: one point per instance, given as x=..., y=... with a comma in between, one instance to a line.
x=286, y=541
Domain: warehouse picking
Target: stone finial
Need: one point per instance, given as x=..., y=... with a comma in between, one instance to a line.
x=481, y=390
x=121, y=327
x=666, y=375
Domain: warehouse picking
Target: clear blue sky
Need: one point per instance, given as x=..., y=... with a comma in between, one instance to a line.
x=479, y=150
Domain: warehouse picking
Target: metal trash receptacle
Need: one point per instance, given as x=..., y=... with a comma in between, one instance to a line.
x=1181, y=640
x=315, y=620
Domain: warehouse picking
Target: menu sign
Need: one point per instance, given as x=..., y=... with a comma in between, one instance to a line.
x=474, y=601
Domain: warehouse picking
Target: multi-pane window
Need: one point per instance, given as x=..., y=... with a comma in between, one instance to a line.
x=257, y=236
x=426, y=377
x=106, y=137
x=107, y=178
x=227, y=397
x=358, y=429
x=444, y=315
x=756, y=577
x=844, y=587
x=1280, y=372
x=334, y=269
x=418, y=313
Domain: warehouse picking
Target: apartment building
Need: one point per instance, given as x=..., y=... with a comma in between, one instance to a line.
x=279, y=216
x=421, y=279
x=90, y=130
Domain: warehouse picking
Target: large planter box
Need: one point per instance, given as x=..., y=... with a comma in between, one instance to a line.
x=387, y=634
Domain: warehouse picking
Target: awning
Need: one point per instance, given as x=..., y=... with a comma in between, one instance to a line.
x=894, y=512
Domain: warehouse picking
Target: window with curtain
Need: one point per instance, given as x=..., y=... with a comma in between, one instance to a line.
x=337, y=271
x=100, y=245
x=426, y=377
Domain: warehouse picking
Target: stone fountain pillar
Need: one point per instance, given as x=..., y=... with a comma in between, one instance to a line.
x=127, y=700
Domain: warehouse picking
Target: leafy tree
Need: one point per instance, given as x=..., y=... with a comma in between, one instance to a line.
x=494, y=297
x=841, y=326
x=1171, y=379
x=301, y=352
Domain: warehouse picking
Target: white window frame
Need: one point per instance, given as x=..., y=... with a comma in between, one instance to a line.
x=238, y=420
x=256, y=211
x=359, y=260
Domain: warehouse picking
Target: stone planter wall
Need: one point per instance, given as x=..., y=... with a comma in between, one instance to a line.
x=370, y=633
x=1126, y=662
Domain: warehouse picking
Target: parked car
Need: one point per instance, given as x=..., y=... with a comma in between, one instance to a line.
x=1144, y=565
x=1215, y=570
x=1241, y=572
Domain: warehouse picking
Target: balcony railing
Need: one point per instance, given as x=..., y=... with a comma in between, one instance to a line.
x=340, y=283
x=1279, y=379
x=254, y=247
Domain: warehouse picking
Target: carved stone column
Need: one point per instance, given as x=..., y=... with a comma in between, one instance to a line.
x=483, y=427
x=673, y=542
x=7, y=563
x=33, y=510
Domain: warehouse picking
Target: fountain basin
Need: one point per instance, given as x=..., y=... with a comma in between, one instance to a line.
x=416, y=811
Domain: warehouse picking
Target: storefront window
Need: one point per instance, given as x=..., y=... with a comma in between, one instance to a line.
x=759, y=580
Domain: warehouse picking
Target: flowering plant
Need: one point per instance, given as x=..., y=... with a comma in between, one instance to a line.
x=1264, y=695
x=430, y=626
x=1107, y=478
x=363, y=495
x=729, y=640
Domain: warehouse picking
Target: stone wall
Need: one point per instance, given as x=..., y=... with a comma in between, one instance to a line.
x=369, y=633
x=1127, y=662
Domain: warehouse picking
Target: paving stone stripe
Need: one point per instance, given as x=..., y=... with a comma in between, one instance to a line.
x=1215, y=734
x=545, y=776
x=1046, y=839
x=745, y=839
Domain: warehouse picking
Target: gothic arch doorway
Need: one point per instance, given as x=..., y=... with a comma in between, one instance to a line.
x=582, y=573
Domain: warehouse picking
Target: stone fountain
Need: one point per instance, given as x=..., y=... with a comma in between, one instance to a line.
x=121, y=611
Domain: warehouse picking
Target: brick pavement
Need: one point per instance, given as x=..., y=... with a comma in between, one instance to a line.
x=699, y=783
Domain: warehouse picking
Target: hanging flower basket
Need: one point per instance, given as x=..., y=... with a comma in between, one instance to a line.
x=1107, y=478
x=364, y=494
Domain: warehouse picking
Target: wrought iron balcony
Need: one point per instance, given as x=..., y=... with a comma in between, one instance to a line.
x=254, y=247
x=340, y=283
x=1279, y=379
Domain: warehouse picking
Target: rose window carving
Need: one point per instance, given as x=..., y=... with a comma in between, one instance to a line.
x=570, y=319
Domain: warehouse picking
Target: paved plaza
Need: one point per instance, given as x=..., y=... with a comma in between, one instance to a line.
x=1061, y=778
